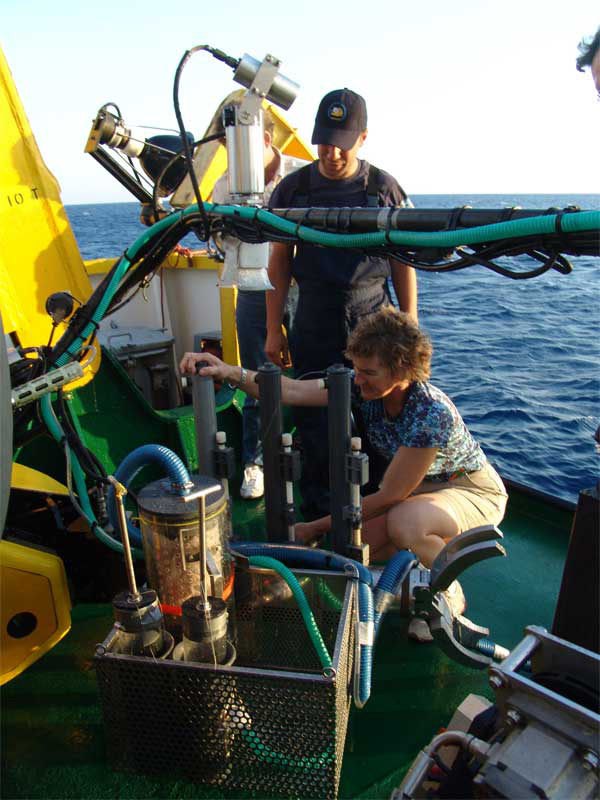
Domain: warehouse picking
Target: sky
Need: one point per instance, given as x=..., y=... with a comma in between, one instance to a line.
x=463, y=96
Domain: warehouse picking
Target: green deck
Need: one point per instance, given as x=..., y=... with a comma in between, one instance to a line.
x=52, y=733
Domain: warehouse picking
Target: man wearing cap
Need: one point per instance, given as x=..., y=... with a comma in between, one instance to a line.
x=336, y=287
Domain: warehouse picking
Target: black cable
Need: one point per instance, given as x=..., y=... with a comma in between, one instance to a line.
x=52, y=332
x=149, y=259
x=440, y=764
x=146, y=261
x=113, y=309
x=479, y=258
x=544, y=248
x=89, y=462
x=21, y=436
x=531, y=246
x=186, y=146
x=115, y=106
x=26, y=369
x=83, y=316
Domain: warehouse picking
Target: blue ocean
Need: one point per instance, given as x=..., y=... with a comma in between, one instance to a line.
x=520, y=358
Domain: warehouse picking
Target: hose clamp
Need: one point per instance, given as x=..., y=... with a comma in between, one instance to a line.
x=365, y=632
x=351, y=570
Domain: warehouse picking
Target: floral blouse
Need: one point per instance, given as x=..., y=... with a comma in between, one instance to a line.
x=429, y=419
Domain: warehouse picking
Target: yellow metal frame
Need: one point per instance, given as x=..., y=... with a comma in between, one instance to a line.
x=34, y=583
x=38, y=251
x=32, y=480
x=227, y=295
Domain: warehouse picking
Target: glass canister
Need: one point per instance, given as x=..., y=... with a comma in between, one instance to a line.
x=171, y=538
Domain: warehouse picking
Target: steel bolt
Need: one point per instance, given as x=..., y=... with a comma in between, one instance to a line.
x=496, y=682
x=590, y=760
x=513, y=717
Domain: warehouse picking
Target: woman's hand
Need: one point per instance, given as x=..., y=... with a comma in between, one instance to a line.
x=208, y=364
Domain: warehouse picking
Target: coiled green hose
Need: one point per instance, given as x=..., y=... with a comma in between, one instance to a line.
x=288, y=576
x=304, y=763
x=531, y=226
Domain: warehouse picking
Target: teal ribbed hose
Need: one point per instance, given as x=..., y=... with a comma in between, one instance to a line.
x=291, y=580
x=573, y=222
x=570, y=223
x=112, y=287
x=329, y=598
x=303, y=764
x=58, y=434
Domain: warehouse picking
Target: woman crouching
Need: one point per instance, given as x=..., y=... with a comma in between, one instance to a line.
x=438, y=481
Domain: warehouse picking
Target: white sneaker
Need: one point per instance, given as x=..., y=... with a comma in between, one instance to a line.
x=419, y=629
x=253, y=485
x=455, y=598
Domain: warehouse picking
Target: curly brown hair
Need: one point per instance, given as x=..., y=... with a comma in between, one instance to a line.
x=396, y=340
x=587, y=51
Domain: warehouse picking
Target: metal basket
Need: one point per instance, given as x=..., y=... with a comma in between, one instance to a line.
x=272, y=725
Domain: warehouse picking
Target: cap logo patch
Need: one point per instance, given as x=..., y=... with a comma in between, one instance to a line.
x=337, y=112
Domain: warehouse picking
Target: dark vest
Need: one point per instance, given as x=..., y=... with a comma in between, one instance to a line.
x=336, y=287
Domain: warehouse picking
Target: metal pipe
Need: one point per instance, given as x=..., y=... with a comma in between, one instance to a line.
x=200, y=495
x=245, y=156
x=286, y=442
x=519, y=655
x=120, y=492
x=282, y=91
x=221, y=440
x=103, y=647
x=338, y=385
x=205, y=417
x=424, y=761
x=271, y=427
x=117, y=171
x=203, y=562
x=355, y=499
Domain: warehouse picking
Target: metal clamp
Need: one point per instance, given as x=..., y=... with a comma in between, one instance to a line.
x=456, y=635
x=261, y=85
x=466, y=549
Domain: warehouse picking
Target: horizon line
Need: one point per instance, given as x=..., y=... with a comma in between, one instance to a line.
x=412, y=194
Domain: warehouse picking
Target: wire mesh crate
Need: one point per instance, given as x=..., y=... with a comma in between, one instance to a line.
x=272, y=725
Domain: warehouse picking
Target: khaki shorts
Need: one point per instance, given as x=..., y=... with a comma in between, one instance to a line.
x=478, y=498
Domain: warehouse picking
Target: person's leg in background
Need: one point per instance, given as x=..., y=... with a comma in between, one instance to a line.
x=252, y=332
